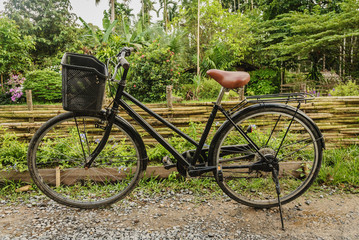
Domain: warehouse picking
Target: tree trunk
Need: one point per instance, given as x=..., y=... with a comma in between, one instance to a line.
x=198, y=40
x=165, y=14
x=344, y=43
x=112, y=3
x=2, y=83
x=340, y=61
x=143, y=13
x=282, y=75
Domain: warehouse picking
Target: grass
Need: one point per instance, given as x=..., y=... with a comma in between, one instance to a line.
x=340, y=170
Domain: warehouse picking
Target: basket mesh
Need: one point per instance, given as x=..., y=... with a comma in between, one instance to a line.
x=83, y=89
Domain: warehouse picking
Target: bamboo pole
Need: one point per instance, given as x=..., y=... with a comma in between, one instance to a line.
x=337, y=117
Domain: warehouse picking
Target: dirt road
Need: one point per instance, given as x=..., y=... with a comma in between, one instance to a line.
x=184, y=216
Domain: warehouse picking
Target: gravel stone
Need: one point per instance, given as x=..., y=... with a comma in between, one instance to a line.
x=182, y=215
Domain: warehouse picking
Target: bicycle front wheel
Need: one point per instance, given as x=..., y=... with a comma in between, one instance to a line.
x=61, y=147
x=286, y=137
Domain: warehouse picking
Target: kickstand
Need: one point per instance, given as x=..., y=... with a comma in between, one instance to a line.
x=277, y=188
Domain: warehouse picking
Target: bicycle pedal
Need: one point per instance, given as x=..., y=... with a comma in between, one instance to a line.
x=167, y=162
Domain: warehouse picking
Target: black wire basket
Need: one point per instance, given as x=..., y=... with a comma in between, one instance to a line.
x=83, y=82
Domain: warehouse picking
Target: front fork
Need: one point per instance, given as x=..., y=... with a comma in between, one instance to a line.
x=110, y=117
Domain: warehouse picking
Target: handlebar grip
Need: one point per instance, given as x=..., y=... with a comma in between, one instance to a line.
x=124, y=63
x=125, y=52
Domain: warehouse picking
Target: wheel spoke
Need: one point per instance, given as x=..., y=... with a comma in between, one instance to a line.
x=286, y=144
x=57, y=162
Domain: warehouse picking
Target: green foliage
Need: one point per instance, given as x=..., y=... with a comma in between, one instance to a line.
x=14, y=47
x=208, y=89
x=96, y=35
x=152, y=69
x=185, y=91
x=45, y=85
x=265, y=81
x=227, y=33
x=12, y=152
x=50, y=23
x=348, y=89
x=341, y=167
x=309, y=35
x=8, y=190
x=225, y=37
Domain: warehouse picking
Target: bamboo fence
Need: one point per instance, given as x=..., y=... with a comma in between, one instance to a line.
x=337, y=118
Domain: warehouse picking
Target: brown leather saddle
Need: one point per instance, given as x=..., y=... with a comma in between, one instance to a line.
x=228, y=79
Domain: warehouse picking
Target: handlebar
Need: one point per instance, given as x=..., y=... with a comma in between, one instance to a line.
x=125, y=52
x=121, y=62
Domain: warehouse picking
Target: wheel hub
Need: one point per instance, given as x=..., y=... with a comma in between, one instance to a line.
x=266, y=164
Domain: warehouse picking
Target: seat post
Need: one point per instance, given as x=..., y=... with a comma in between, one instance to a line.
x=220, y=96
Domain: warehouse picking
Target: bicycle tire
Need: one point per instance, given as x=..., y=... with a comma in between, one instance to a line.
x=59, y=149
x=299, y=158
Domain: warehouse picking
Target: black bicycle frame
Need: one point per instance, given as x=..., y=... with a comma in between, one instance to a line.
x=199, y=146
x=119, y=102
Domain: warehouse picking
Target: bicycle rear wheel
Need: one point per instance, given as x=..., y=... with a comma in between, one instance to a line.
x=246, y=177
x=60, y=148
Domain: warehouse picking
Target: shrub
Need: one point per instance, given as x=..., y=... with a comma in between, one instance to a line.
x=12, y=152
x=208, y=89
x=186, y=91
x=264, y=81
x=45, y=85
x=152, y=70
x=348, y=89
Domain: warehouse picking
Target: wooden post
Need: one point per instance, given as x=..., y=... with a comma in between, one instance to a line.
x=303, y=87
x=30, y=107
x=169, y=96
x=169, y=101
x=57, y=176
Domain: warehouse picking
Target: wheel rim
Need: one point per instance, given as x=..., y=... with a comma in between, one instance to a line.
x=61, y=152
x=298, y=159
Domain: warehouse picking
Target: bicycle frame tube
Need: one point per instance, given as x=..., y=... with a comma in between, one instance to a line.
x=159, y=138
x=153, y=132
x=159, y=118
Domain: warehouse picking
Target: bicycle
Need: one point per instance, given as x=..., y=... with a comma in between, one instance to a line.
x=267, y=153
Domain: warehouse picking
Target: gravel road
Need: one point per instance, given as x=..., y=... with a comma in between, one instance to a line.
x=182, y=215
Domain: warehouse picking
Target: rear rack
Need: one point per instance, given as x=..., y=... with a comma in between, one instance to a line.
x=281, y=97
x=273, y=98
